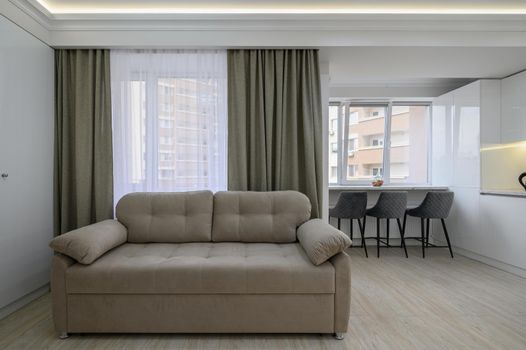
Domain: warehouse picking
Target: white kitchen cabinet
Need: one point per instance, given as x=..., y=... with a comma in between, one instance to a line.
x=513, y=108
x=486, y=227
x=456, y=137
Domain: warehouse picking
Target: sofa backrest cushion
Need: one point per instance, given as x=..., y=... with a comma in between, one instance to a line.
x=167, y=217
x=269, y=217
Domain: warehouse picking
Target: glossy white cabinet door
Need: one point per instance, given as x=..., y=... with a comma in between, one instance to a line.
x=513, y=108
x=26, y=154
x=442, y=140
x=466, y=136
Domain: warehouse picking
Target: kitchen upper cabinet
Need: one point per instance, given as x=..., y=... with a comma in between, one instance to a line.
x=513, y=108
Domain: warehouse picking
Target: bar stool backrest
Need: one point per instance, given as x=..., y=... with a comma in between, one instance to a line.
x=390, y=204
x=436, y=205
x=350, y=205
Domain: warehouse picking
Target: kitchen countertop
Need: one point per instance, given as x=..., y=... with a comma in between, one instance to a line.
x=503, y=193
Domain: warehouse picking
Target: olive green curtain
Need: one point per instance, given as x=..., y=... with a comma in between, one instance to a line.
x=275, y=122
x=83, y=144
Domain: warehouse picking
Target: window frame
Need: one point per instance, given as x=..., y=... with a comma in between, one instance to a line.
x=343, y=138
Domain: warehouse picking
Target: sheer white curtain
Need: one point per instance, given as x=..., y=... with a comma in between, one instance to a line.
x=169, y=120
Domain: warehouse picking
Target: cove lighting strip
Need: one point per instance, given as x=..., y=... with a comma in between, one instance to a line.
x=520, y=144
x=208, y=10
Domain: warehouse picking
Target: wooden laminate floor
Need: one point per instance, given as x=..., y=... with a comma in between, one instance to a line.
x=397, y=303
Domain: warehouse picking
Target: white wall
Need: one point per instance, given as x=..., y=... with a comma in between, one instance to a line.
x=26, y=154
x=488, y=228
x=324, y=84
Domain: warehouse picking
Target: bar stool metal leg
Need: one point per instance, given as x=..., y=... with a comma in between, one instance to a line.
x=363, y=237
x=377, y=237
x=447, y=237
x=427, y=232
x=387, y=221
x=402, y=233
x=362, y=231
x=403, y=227
x=423, y=237
x=351, y=221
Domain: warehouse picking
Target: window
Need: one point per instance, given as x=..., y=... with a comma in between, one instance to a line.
x=377, y=141
x=169, y=120
x=376, y=171
x=334, y=112
x=334, y=171
x=408, y=161
x=334, y=125
x=167, y=124
x=388, y=139
x=165, y=156
x=351, y=171
x=351, y=146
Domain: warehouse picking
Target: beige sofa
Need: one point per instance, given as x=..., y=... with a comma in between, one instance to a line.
x=195, y=262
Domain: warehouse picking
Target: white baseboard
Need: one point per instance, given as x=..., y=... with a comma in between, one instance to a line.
x=491, y=262
x=23, y=301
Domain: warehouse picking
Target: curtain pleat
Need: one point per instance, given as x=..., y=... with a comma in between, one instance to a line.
x=83, y=139
x=275, y=122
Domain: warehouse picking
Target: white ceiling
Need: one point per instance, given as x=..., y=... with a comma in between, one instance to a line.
x=368, y=53
x=401, y=65
x=415, y=71
x=281, y=6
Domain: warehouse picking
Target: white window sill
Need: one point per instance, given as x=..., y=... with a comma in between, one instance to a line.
x=387, y=188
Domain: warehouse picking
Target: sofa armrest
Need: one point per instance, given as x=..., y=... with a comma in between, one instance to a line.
x=342, y=293
x=88, y=243
x=321, y=241
x=59, y=264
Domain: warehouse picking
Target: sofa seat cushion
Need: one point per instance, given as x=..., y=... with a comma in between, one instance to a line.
x=202, y=268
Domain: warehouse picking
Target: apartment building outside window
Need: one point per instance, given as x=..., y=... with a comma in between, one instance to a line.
x=169, y=114
x=378, y=139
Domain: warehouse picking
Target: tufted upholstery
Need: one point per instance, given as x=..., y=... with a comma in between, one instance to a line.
x=350, y=205
x=259, y=216
x=167, y=217
x=202, y=268
x=389, y=205
x=321, y=241
x=170, y=277
x=436, y=205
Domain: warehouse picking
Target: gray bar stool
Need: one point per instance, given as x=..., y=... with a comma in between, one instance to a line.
x=351, y=205
x=390, y=205
x=436, y=205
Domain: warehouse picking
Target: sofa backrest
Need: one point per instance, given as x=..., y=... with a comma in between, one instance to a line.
x=259, y=216
x=171, y=217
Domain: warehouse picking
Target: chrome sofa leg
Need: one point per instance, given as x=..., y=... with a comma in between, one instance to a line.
x=339, y=336
x=63, y=335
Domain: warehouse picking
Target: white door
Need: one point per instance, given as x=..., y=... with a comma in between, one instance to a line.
x=26, y=155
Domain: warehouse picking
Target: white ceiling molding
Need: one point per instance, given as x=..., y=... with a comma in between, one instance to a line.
x=74, y=7
x=36, y=24
x=268, y=30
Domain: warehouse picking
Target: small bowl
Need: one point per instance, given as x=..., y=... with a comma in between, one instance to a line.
x=378, y=183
